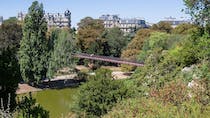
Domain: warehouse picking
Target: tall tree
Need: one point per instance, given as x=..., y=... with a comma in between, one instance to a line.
x=61, y=53
x=116, y=41
x=33, y=46
x=89, y=33
x=10, y=36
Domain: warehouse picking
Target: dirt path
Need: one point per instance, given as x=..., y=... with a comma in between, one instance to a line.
x=25, y=88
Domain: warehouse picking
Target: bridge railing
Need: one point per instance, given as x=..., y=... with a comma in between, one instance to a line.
x=108, y=59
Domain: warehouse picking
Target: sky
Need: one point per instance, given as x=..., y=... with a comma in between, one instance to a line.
x=151, y=10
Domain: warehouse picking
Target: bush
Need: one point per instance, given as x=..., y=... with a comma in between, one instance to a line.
x=153, y=108
x=174, y=92
x=100, y=94
x=28, y=108
x=82, y=76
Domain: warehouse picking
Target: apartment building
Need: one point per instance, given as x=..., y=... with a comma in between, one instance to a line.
x=129, y=25
x=175, y=22
x=125, y=24
x=59, y=20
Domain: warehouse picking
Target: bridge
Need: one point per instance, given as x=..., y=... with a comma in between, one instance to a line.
x=107, y=59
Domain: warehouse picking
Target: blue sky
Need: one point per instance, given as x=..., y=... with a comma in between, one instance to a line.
x=151, y=10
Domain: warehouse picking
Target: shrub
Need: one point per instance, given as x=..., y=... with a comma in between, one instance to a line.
x=100, y=94
x=174, y=92
x=28, y=108
x=153, y=108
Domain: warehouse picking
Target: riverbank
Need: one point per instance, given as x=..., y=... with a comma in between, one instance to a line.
x=25, y=88
x=64, y=81
x=56, y=83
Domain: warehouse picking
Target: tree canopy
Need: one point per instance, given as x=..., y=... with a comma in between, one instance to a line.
x=162, y=26
x=89, y=33
x=63, y=46
x=10, y=36
x=114, y=42
x=199, y=10
x=33, y=46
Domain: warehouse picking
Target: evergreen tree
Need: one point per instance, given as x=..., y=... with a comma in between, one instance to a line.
x=63, y=45
x=115, y=40
x=33, y=46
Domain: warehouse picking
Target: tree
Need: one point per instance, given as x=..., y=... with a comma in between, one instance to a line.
x=134, y=48
x=162, y=26
x=61, y=52
x=199, y=10
x=33, y=46
x=89, y=32
x=138, y=40
x=184, y=28
x=115, y=40
x=10, y=36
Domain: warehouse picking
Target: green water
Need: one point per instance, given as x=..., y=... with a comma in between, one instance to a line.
x=57, y=101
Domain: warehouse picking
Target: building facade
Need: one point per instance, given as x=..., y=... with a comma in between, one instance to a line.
x=110, y=21
x=174, y=22
x=1, y=20
x=130, y=25
x=126, y=24
x=59, y=20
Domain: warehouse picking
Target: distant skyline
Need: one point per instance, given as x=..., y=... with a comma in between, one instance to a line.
x=151, y=10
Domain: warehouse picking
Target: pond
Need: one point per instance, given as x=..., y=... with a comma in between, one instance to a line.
x=57, y=101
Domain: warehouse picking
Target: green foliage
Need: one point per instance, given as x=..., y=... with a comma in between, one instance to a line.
x=162, y=26
x=28, y=108
x=191, y=50
x=115, y=40
x=10, y=35
x=33, y=46
x=82, y=75
x=159, y=41
x=173, y=100
x=62, y=47
x=199, y=10
x=10, y=20
x=88, y=36
x=138, y=40
x=160, y=67
x=134, y=48
x=184, y=28
x=129, y=54
x=174, y=92
x=100, y=94
x=153, y=108
x=174, y=81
